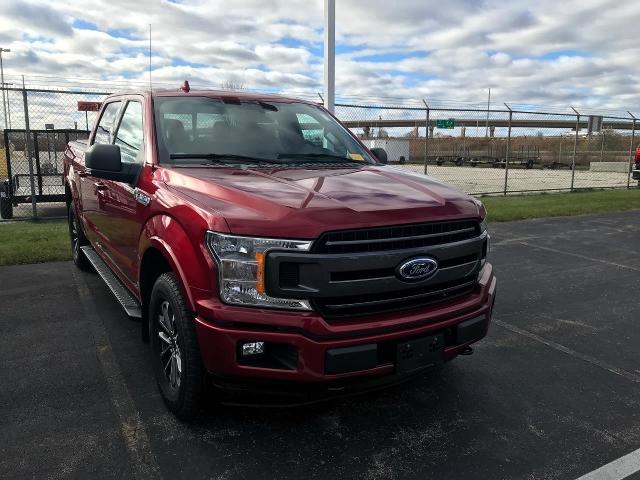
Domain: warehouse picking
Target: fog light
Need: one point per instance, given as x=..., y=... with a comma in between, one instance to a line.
x=252, y=348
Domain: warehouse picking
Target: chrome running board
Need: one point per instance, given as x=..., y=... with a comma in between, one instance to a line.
x=122, y=293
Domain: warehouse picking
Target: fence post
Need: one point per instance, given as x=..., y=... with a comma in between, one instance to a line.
x=508, y=152
x=36, y=155
x=633, y=141
x=575, y=149
x=426, y=137
x=27, y=146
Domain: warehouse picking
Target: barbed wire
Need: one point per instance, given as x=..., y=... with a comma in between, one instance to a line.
x=62, y=83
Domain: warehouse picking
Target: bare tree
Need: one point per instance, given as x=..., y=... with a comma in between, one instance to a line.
x=232, y=85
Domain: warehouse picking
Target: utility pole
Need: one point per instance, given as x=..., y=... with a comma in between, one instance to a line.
x=575, y=148
x=329, y=54
x=4, y=95
x=150, y=84
x=633, y=141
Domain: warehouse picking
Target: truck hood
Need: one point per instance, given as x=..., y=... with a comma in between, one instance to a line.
x=303, y=203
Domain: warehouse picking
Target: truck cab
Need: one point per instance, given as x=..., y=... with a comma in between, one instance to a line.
x=264, y=248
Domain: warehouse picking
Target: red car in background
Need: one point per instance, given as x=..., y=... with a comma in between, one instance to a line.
x=635, y=172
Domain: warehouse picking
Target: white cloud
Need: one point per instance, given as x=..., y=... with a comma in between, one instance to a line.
x=571, y=52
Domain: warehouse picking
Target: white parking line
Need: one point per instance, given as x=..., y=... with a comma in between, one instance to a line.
x=621, y=468
x=561, y=348
x=143, y=461
x=584, y=257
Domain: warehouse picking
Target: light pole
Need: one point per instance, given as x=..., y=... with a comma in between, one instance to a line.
x=329, y=54
x=4, y=102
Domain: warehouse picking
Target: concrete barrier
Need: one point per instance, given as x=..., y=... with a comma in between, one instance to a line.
x=621, y=167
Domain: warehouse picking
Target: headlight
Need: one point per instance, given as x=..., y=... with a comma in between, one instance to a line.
x=241, y=269
x=482, y=211
x=486, y=248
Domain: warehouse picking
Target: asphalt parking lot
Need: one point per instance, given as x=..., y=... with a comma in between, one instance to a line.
x=552, y=393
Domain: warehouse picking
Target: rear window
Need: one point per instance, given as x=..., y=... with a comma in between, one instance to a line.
x=104, y=130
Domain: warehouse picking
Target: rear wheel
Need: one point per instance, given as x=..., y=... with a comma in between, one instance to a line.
x=6, y=208
x=78, y=240
x=174, y=348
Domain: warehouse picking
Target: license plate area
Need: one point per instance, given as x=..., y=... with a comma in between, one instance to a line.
x=419, y=352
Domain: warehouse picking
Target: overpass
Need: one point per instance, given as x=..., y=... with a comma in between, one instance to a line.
x=568, y=123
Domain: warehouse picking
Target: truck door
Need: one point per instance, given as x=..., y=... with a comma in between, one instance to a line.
x=90, y=186
x=120, y=216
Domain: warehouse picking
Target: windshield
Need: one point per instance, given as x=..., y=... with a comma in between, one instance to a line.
x=220, y=131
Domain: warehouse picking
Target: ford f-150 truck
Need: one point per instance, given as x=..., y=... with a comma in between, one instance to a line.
x=266, y=249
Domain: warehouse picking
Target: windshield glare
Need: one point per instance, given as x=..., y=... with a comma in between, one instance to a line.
x=289, y=133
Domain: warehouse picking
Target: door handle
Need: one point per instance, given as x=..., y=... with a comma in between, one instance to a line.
x=100, y=187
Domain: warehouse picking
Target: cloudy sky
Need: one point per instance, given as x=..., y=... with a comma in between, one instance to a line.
x=547, y=52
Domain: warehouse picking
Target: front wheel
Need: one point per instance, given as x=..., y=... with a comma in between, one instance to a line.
x=174, y=348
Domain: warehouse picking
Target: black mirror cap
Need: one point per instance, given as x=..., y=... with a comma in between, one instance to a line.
x=104, y=161
x=381, y=154
x=103, y=157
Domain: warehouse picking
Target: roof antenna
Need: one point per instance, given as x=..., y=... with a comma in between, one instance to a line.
x=150, y=84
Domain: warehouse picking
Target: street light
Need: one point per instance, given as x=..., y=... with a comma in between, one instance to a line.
x=329, y=54
x=4, y=102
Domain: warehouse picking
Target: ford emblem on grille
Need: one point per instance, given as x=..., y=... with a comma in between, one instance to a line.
x=416, y=269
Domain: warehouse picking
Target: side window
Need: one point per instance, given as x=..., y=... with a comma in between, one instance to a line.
x=130, y=134
x=104, y=131
x=312, y=131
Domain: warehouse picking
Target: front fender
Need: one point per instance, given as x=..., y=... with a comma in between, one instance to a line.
x=185, y=252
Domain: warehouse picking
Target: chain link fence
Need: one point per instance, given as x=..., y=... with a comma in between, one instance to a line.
x=480, y=151
x=40, y=123
x=501, y=151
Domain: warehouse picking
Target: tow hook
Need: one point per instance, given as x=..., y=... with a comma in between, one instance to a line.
x=467, y=351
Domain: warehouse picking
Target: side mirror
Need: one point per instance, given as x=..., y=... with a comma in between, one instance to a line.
x=104, y=161
x=381, y=154
x=103, y=157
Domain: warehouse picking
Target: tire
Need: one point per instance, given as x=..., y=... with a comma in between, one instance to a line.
x=78, y=240
x=6, y=208
x=175, y=355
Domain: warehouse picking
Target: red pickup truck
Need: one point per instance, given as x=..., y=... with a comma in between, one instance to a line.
x=266, y=249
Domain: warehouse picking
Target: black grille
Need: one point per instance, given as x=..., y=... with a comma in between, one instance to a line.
x=396, y=237
x=354, y=273
x=373, y=304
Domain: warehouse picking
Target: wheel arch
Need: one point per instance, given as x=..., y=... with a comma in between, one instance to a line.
x=158, y=255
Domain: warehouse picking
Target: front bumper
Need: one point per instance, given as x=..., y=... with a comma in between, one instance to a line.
x=222, y=328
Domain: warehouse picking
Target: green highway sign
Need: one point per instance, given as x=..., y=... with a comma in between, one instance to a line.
x=448, y=123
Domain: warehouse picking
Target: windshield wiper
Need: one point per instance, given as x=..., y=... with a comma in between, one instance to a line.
x=220, y=157
x=323, y=156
